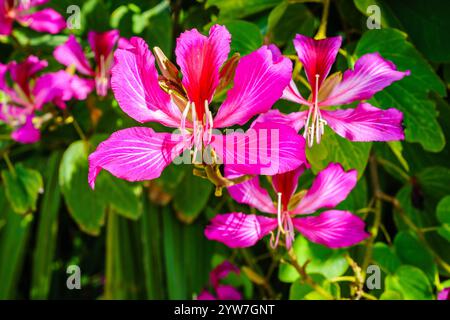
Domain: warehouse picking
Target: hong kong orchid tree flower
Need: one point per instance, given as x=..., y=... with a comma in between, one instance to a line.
x=221, y=291
x=370, y=75
x=292, y=211
x=444, y=294
x=45, y=20
x=139, y=153
x=29, y=93
x=102, y=44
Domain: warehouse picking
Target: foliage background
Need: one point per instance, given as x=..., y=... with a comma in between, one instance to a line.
x=145, y=240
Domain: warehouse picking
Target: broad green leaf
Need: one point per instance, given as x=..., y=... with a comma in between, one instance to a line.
x=411, y=282
x=435, y=182
x=152, y=251
x=47, y=232
x=159, y=28
x=85, y=205
x=327, y=262
x=411, y=251
x=391, y=295
x=385, y=257
x=13, y=248
x=239, y=8
x=245, y=36
x=22, y=188
x=443, y=215
x=409, y=95
x=333, y=148
x=428, y=34
x=286, y=20
x=302, y=291
x=397, y=148
x=191, y=197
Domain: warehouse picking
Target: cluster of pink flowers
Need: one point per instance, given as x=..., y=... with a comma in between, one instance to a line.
x=252, y=83
x=260, y=79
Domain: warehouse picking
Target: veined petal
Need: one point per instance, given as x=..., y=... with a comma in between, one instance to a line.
x=366, y=123
x=330, y=187
x=228, y=292
x=317, y=56
x=239, y=230
x=372, y=73
x=135, y=154
x=259, y=82
x=295, y=120
x=71, y=53
x=22, y=72
x=200, y=59
x=250, y=193
x=333, y=228
x=27, y=133
x=135, y=85
x=286, y=184
x=291, y=93
x=46, y=20
x=103, y=43
x=265, y=149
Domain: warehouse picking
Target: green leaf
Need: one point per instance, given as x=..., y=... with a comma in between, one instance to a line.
x=245, y=36
x=428, y=34
x=325, y=261
x=47, y=231
x=85, y=205
x=191, y=197
x=385, y=257
x=302, y=291
x=409, y=95
x=435, y=182
x=22, y=188
x=411, y=251
x=443, y=215
x=391, y=295
x=13, y=248
x=239, y=8
x=411, y=282
x=333, y=148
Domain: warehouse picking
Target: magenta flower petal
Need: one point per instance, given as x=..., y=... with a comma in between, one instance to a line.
x=102, y=44
x=295, y=120
x=135, y=154
x=291, y=93
x=6, y=22
x=264, y=149
x=239, y=230
x=227, y=292
x=250, y=193
x=366, y=123
x=27, y=133
x=200, y=59
x=331, y=186
x=372, y=73
x=46, y=20
x=259, y=82
x=135, y=85
x=317, y=56
x=286, y=184
x=22, y=72
x=71, y=53
x=3, y=71
x=222, y=271
x=205, y=295
x=333, y=228
x=444, y=294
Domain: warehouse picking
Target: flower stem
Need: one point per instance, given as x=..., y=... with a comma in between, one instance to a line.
x=322, y=31
x=305, y=277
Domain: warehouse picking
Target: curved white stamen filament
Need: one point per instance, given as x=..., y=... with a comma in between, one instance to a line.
x=183, y=118
x=279, y=214
x=315, y=124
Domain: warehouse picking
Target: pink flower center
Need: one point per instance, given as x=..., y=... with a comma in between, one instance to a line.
x=315, y=124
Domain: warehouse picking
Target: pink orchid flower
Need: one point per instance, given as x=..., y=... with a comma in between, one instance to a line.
x=332, y=228
x=222, y=291
x=102, y=44
x=139, y=153
x=30, y=93
x=46, y=20
x=444, y=294
x=370, y=75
